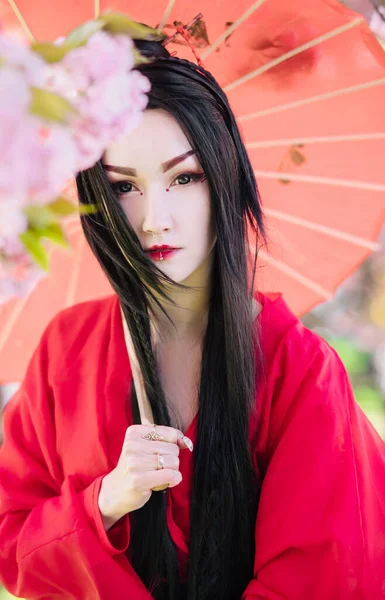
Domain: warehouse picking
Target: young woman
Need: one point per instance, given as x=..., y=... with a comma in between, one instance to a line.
x=276, y=479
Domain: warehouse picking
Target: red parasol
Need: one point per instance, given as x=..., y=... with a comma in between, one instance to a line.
x=306, y=83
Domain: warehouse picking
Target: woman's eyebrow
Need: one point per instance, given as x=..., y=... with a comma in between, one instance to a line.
x=166, y=166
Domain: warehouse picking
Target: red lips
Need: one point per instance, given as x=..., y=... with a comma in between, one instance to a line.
x=164, y=247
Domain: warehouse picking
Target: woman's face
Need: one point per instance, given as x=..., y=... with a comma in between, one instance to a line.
x=160, y=196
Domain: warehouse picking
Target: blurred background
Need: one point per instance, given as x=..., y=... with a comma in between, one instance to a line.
x=353, y=322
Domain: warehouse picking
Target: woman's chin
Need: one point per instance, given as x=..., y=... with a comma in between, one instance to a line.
x=197, y=273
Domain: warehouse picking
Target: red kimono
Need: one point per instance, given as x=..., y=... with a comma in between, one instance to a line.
x=320, y=528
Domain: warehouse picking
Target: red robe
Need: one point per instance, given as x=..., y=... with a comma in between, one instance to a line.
x=320, y=528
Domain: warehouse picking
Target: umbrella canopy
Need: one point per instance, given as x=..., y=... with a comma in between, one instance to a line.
x=306, y=83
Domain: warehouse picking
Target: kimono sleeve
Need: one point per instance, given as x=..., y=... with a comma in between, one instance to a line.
x=320, y=528
x=52, y=540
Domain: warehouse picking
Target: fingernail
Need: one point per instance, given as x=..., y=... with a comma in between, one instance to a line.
x=188, y=443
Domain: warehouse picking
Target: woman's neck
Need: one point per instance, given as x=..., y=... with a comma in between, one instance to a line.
x=190, y=313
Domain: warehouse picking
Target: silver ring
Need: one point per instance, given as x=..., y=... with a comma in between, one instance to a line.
x=160, y=461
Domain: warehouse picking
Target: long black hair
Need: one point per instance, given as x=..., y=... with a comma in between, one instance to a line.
x=225, y=488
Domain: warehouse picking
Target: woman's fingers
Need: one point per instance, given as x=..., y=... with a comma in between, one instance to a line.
x=143, y=447
x=185, y=442
x=149, y=462
x=139, y=470
x=146, y=480
x=169, y=435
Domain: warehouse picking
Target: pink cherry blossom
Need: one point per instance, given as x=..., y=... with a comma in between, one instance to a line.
x=104, y=55
x=13, y=222
x=107, y=109
x=39, y=157
x=36, y=163
x=18, y=277
x=15, y=93
x=54, y=161
x=98, y=79
x=18, y=55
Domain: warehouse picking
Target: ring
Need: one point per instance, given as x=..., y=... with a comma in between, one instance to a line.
x=153, y=436
x=160, y=461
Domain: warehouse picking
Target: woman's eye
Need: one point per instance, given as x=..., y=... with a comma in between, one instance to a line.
x=122, y=187
x=191, y=177
x=182, y=178
x=126, y=187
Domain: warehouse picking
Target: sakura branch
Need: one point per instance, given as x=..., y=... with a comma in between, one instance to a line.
x=61, y=105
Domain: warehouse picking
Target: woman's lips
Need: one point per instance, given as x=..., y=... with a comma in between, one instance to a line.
x=164, y=254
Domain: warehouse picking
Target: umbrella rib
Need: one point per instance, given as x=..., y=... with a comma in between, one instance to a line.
x=316, y=140
x=169, y=8
x=291, y=53
x=296, y=275
x=336, y=233
x=231, y=29
x=335, y=93
x=6, y=331
x=350, y=183
x=21, y=20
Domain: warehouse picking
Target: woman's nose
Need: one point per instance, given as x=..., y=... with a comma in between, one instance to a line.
x=157, y=217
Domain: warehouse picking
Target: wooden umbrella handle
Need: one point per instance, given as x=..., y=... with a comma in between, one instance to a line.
x=145, y=411
x=146, y=416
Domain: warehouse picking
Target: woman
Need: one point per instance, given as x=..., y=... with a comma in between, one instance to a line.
x=283, y=496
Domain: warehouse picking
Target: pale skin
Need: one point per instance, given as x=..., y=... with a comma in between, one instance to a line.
x=180, y=217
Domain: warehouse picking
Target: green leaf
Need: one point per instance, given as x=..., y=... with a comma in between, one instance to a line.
x=39, y=216
x=53, y=53
x=62, y=207
x=121, y=23
x=35, y=248
x=88, y=209
x=50, y=52
x=51, y=106
x=54, y=233
x=79, y=36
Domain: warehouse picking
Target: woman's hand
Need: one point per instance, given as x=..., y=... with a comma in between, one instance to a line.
x=129, y=485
